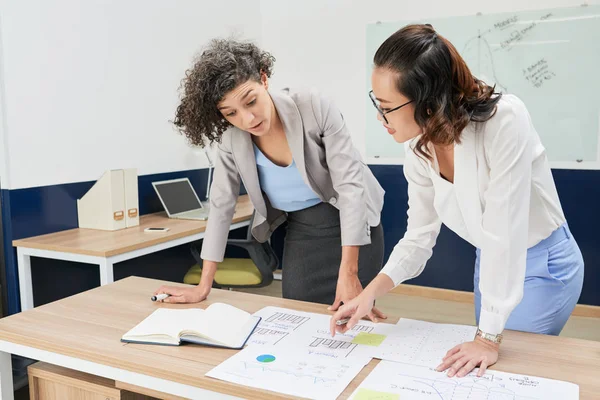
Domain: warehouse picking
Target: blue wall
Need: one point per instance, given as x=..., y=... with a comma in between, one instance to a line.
x=451, y=266
x=41, y=210
x=47, y=209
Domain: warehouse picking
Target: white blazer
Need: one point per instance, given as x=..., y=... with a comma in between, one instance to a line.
x=503, y=201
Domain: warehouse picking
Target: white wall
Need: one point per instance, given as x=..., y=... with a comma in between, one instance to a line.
x=3, y=130
x=321, y=43
x=86, y=86
x=91, y=85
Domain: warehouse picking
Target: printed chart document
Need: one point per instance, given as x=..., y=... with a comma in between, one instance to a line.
x=277, y=324
x=309, y=332
x=394, y=381
x=419, y=342
x=282, y=370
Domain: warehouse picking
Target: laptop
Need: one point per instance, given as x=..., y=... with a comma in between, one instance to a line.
x=180, y=200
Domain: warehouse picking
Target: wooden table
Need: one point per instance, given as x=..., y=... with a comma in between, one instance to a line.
x=82, y=332
x=105, y=248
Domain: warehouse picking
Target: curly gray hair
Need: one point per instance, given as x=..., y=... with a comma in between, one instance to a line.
x=221, y=67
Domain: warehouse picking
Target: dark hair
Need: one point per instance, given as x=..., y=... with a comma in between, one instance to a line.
x=435, y=77
x=221, y=67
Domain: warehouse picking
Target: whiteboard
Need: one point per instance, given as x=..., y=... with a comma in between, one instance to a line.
x=548, y=58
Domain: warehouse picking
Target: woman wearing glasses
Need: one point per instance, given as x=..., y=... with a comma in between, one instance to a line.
x=293, y=153
x=475, y=163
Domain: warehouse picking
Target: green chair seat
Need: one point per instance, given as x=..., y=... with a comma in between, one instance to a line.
x=254, y=271
x=231, y=272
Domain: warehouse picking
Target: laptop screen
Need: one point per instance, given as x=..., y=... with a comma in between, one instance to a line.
x=177, y=196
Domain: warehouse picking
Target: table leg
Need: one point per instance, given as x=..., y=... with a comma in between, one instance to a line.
x=6, y=378
x=106, y=272
x=25, y=284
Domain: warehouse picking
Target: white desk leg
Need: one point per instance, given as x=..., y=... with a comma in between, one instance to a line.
x=25, y=284
x=106, y=272
x=6, y=378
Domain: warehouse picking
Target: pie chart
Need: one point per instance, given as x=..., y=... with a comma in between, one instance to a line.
x=265, y=358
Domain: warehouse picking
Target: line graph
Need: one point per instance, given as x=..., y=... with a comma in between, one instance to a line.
x=484, y=66
x=416, y=382
x=468, y=388
x=316, y=374
x=287, y=371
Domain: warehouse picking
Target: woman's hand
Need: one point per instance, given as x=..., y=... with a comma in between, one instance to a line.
x=191, y=294
x=463, y=358
x=179, y=294
x=361, y=305
x=348, y=288
x=355, y=309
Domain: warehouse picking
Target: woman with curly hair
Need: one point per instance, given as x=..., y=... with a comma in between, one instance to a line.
x=474, y=162
x=293, y=152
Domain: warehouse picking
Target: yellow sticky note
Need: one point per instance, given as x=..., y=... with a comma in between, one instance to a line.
x=369, y=339
x=367, y=394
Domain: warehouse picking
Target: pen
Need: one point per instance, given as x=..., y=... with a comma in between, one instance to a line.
x=342, y=321
x=159, y=297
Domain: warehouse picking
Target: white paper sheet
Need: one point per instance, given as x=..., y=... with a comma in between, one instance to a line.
x=391, y=380
x=309, y=332
x=276, y=324
x=278, y=369
x=419, y=342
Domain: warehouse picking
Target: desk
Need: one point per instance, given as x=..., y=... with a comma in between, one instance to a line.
x=82, y=332
x=105, y=248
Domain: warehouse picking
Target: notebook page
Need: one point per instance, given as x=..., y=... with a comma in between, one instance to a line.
x=164, y=321
x=222, y=323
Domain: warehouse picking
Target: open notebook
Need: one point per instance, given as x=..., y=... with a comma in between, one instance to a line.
x=220, y=325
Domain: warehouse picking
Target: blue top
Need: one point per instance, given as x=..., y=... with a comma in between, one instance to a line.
x=284, y=185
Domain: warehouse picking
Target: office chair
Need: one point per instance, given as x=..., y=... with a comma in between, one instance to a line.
x=256, y=271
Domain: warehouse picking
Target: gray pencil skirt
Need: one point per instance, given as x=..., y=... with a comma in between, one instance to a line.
x=313, y=251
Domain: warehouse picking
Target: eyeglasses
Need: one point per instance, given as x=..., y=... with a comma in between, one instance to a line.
x=381, y=112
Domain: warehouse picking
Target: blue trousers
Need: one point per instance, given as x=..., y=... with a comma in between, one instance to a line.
x=553, y=282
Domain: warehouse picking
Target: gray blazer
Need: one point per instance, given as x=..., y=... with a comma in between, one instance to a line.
x=324, y=155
